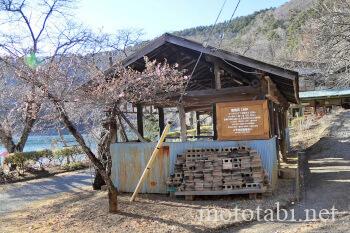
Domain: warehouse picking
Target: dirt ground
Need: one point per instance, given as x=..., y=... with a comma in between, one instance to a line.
x=17, y=196
x=327, y=180
x=327, y=183
x=307, y=131
x=87, y=212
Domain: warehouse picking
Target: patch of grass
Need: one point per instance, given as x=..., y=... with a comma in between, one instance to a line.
x=74, y=166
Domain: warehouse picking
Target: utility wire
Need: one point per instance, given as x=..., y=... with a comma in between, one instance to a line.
x=244, y=71
x=214, y=25
x=233, y=14
x=205, y=44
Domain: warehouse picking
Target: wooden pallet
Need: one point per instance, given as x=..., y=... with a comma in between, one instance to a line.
x=189, y=195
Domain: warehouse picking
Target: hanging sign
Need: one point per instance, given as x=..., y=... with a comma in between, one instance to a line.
x=243, y=120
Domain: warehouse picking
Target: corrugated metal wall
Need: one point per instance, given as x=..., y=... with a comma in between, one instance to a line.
x=129, y=160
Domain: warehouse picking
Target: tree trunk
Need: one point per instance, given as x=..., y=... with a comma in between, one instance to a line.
x=95, y=161
x=6, y=137
x=104, y=154
x=98, y=181
x=7, y=140
x=113, y=200
x=25, y=134
x=32, y=110
x=65, y=144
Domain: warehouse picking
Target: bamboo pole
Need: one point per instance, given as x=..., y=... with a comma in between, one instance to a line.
x=150, y=161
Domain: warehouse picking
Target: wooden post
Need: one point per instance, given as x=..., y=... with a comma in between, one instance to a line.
x=161, y=120
x=315, y=106
x=133, y=128
x=215, y=132
x=198, y=124
x=139, y=117
x=123, y=135
x=191, y=119
x=217, y=74
x=182, y=117
x=150, y=161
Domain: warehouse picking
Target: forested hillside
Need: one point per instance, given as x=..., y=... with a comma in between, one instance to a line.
x=275, y=35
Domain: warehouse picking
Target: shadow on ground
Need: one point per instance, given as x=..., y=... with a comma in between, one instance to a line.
x=15, y=196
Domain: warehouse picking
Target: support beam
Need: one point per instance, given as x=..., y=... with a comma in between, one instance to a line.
x=139, y=118
x=198, y=123
x=207, y=97
x=123, y=135
x=224, y=91
x=204, y=108
x=217, y=75
x=215, y=132
x=161, y=120
x=132, y=127
x=150, y=161
x=235, y=74
x=274, y=94
x=182, y=118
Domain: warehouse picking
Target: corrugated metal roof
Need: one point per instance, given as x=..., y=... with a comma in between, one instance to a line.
x=324, y=93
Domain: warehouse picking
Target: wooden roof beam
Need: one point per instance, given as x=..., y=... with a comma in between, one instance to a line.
x=225, y=91
x=274, y=94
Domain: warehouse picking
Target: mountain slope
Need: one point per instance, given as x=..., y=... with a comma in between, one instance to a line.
x=275, y=35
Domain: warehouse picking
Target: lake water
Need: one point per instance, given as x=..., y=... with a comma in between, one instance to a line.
x=37, y=142
x=50, y=142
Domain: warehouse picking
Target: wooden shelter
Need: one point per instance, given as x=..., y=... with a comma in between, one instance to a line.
x=321, y=101
x=226, y=85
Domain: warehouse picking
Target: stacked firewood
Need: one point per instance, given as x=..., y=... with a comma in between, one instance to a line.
x=218, y=169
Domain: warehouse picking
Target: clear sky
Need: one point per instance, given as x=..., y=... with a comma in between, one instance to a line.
x=156, y=17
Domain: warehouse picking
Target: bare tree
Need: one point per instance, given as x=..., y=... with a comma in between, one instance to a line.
x=333, y=40
x=83, y=95
x=104, y=51
x=30, y=36
x=70, y=77
x=125, y=40
x=18, y=113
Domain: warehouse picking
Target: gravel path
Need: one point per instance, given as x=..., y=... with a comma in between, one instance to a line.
x=18, y=195
x=327, y=184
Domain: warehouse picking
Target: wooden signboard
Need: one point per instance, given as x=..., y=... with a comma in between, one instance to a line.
x=243, y=120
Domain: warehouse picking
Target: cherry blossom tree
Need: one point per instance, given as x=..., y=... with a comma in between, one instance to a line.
x=84, y=95
x=61, y=66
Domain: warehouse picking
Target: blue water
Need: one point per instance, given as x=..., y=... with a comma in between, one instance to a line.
x=48, y=142
x=36, y=142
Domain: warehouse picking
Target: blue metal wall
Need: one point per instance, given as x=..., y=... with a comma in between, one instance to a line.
x=129, y=160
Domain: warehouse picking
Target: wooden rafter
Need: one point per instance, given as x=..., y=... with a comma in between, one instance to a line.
x=274, y=94
x=185, y=52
